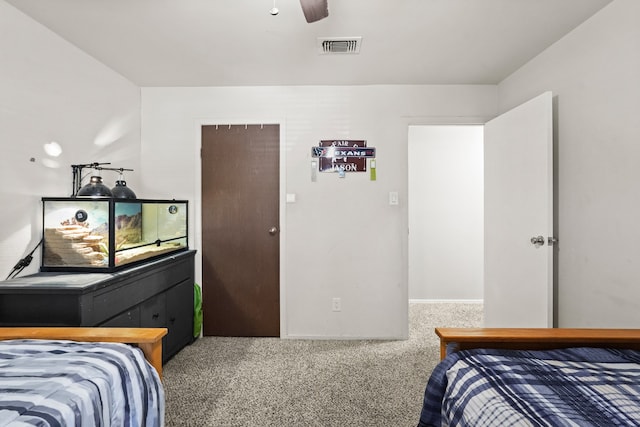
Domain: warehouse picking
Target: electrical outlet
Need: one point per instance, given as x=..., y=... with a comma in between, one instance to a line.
x=336, y=304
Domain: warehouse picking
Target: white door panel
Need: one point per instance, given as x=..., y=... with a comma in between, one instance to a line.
x=518, y=165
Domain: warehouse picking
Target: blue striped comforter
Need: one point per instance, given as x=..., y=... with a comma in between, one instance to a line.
x=65, y=383
x=572, y=387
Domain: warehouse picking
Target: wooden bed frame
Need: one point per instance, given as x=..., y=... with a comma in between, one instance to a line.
x=149, y=340
x=455, y=339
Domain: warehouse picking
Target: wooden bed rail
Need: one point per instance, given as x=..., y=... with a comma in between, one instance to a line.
x=149, y=340
x=455, y=339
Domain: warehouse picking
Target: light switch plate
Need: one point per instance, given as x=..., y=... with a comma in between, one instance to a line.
x=393, y=197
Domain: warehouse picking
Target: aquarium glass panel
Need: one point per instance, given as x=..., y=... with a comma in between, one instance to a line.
x=162, y=229
x=172, y=222
x=84, y=234
x=76, y=233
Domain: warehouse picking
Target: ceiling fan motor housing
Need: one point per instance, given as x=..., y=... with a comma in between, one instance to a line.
x=315, y=10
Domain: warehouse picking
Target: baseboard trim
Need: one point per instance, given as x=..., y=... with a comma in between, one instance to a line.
x=446, y=301
x=341, y=338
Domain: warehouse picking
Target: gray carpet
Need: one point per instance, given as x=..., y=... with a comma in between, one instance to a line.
x=273, y=382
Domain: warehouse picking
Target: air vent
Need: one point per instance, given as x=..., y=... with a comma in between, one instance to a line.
x=331, y=45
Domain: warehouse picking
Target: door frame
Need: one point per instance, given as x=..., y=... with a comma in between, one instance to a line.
x=197, y=208
x=482, y=120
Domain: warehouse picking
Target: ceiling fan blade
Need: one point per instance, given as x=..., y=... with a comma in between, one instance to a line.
x=315, y=10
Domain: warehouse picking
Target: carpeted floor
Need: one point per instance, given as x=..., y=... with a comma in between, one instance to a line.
x=272, y=382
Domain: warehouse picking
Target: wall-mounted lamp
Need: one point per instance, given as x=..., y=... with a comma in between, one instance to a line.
x=52, y=149
x=274, y=10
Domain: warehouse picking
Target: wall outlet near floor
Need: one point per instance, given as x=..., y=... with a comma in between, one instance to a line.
x=336, y=304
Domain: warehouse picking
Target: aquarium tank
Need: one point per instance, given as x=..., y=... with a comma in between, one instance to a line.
x=105, y=234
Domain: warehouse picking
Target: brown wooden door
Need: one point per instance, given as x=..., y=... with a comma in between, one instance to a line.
x=240, y=249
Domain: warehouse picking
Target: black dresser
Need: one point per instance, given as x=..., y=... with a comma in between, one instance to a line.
x=158, y=293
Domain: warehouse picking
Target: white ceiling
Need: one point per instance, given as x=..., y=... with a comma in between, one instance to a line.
x=238, y=42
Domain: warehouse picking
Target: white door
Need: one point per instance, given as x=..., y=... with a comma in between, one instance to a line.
x=518, y=173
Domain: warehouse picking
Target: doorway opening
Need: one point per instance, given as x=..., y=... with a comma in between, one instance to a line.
x=446, y=213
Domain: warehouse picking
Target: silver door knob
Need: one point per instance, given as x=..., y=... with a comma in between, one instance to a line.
x=273, y=231
x=538, y=241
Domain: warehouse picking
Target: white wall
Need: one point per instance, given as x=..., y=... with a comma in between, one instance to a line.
x=594, y=75
x=51, y=91
x=446, y=212
x=365, y=260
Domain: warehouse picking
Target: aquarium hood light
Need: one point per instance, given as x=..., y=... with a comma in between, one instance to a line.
x=95, y=188
x=121, y=191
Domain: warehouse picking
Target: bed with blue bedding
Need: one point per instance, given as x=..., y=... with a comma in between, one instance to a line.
x=566, y=386
x=70, y=383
